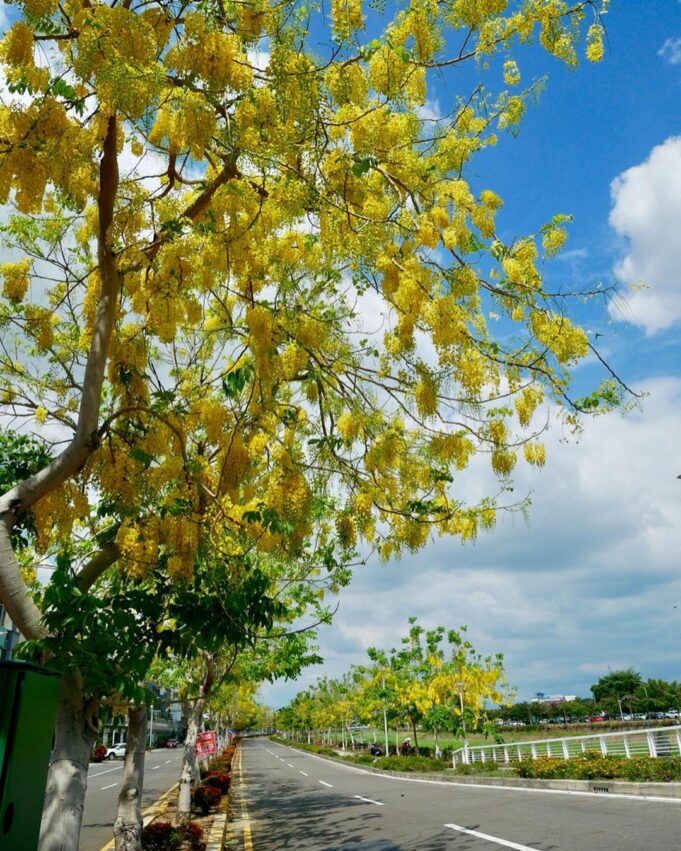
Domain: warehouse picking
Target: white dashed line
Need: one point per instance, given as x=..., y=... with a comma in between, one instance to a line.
x=324, y=783
x=167, y=762
x=154, y=767
x=489, y=838
x=108, y=771
x=370, y=801
x=289, y=765
x=109, y=787
x=304, y=773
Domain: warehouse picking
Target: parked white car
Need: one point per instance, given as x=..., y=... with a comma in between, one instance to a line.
x=116, y=751
x=673, y=713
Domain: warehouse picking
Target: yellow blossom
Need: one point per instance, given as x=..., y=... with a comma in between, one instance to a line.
x=16, y=280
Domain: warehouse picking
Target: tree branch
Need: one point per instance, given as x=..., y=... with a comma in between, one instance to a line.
x=13, y=591
x=28, y=492
x=98, y=564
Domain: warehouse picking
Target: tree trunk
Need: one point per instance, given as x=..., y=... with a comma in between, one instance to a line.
x=416, y=738
x=127, y=828
x=75, y=734
x=188, y=770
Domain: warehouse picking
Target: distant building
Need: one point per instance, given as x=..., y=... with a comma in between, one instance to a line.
x=553, y=698
x=9, y=636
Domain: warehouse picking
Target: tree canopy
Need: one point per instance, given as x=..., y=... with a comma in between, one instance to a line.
x=211, y=216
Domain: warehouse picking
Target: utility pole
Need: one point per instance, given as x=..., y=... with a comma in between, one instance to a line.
x=385, y=719
x=460, y=687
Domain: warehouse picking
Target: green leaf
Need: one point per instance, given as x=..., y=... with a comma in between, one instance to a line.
x=363, y=164
x=235, y=381
x=141, y=456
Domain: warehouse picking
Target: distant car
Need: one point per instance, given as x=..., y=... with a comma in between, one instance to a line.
x=672, y=713
x=172, y=743
x=640, y=716
x=116, y=751
x=656, y=716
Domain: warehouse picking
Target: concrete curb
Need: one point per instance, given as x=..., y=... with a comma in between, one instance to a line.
x=665, y=791
x=238, y=828
x=217, y=833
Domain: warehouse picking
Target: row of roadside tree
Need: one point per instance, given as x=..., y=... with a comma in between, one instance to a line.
x=245, y=330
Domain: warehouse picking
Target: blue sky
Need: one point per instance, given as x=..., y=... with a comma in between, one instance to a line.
x=590, y=581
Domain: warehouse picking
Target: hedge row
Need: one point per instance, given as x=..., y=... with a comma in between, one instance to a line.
x=400, y=763
x=641, y=769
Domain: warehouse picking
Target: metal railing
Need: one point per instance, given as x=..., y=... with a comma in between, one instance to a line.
x=655, y=742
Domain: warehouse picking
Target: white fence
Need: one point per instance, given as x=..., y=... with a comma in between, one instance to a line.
x=658, y=741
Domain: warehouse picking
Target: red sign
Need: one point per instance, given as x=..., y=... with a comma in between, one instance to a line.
x=205, y=743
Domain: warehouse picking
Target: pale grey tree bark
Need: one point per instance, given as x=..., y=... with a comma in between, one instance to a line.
x=127, y=828
x=75, y=735
x=188, y=769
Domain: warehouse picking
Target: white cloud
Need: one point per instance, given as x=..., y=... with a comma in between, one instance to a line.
x=430, y=110
x=588, y=583
x=671, y=51
x=647, y=214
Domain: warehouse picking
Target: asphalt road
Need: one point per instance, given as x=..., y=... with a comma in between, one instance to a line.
x=161, y=771
x=294, y=800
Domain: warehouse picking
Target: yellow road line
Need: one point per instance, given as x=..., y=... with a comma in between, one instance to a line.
x=248, y=838
x=152, y=810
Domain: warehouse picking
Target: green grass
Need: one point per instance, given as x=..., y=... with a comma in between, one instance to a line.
x=400, y=763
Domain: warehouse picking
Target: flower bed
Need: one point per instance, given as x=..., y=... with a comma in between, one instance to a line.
x=641, y=769
x=164, y=836
x=99, y=753
x=167, y=835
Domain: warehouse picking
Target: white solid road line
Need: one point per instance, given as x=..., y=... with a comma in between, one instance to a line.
x=304, y=773
x=109, y=787
x=108, y=771
x=324, y=783
x=489, y=838
x=370, y=801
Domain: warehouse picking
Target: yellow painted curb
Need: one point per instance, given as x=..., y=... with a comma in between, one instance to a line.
x=147, y=815
x=246, y=823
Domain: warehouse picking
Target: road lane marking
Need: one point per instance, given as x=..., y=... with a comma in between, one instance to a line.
x=324, y=783
x=154, y=767
x=370, y=801
x=167, y=762
x=304, y=773
x=108, y=771
x=245, y=821
x=289, y=765
x=109, y=787
x=489, y=838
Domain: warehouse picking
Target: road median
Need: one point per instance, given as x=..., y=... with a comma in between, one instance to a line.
x=666, y=792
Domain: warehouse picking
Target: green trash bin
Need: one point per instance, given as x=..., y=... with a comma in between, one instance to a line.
x=28, y=704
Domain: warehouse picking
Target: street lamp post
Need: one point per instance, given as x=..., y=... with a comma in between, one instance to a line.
x=385, y=721
x=619, y=703
x=460, y=687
